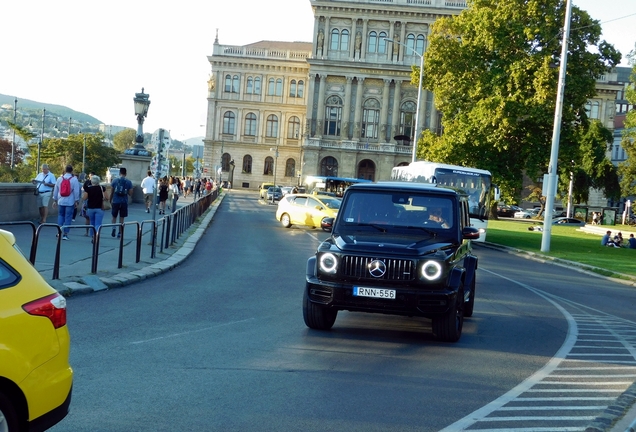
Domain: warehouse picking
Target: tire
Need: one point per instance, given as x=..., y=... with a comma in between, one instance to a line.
x=469, y=306
x=448, y=328
x=8, y=415
x=317, y=317
x=285, y=220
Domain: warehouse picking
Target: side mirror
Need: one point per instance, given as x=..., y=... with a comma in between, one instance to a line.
x=470, y=233
x=326, y=224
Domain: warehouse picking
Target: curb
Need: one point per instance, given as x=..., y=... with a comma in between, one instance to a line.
x=185, y=246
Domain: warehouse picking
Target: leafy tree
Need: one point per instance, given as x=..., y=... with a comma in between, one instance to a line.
x=124, y=140
x=5, y=153
x=492, y=71
x=627, y=169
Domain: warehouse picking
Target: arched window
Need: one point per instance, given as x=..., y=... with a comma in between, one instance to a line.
x=279, y=87
x=257, y=85
x=382, y=43
x=370, y=118
x=329, y=167
x=333, y=115
x=301, y=89
x=344, y=40
x=293, y=128
x=268, y=168
x=235, y=84
x=249, y=88
x=250, y=124
x=419, y=44
x=292, y=88
x=271, y=87
x=271, y=126
x=290, y=168
x=410, y=43
x=373, y=42
x=335, y=39
x=247, y=164
x=592, y=110
x=228, y=83
x=229, y=123
x=407, y=119
x=225, y=162
x=366, y=170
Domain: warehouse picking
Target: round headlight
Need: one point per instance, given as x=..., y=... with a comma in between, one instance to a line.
x=431, y=270
x=328, y=263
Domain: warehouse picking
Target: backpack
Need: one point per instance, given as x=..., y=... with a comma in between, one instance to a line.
x=120, y=188
x=65, y=187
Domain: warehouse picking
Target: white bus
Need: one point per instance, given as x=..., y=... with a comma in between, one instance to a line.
x=476, y=183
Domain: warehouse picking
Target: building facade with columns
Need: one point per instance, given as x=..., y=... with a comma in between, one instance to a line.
x=342, y=105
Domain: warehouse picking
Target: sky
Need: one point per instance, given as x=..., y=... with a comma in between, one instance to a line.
x=94, y=56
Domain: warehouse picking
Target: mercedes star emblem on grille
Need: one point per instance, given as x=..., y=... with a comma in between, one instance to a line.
x=377, y=268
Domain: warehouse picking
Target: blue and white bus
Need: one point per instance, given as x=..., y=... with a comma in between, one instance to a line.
x=330, y=185
x=475, y=182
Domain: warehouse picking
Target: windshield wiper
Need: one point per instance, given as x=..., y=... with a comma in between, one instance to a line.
x=427, y=230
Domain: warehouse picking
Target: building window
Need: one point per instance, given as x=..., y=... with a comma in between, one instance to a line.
x=228, y=83
x=335, y=39
x=249, y=89
x=268, y=169
x=410, y=44
x=329, y=167
x=271, y=126
x=229, y=123
x=292, y=88
x=225, y=162
x=279, y=87
x=301, y=89
x=344, y=40
x=419, y=44
x=592, y=110
x=293, y=128
x=271, y=87
x=247, y=164
x=257, y=85
x=250, y=124
x=373, y=42
x=370, y=118
x=381, y=43
x=333, y=116
x=235, y=84
x=407, y=119
x=290, y=168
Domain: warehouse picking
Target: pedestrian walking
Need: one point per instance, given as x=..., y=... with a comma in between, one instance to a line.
x=66, y=195
x=188, y=185
x=94, y=196
x=122, y=189
x=148, y=187
x=44, y=183
x=174, y=192
x=197, y=189
x=163, y=195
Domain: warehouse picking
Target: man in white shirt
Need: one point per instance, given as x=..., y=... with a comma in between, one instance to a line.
x=44, y=183
x=66, y=204
x=148, y=186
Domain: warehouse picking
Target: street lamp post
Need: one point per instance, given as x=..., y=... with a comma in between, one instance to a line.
x=41, y=137
x=419, y=97
x=15, y=112
x=84, y=157
x=142, y=102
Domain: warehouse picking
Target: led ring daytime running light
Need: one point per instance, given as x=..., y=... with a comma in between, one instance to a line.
x=431, y=265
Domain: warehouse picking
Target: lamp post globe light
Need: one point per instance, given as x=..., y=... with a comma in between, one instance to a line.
x=419, y=97
x=141, y=111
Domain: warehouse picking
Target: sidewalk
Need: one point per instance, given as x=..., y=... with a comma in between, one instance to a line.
x=76, y=254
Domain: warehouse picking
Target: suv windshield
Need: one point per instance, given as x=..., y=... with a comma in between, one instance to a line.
x=395, y=210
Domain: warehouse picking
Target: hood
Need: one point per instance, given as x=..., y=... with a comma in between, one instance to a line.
x=351, y=244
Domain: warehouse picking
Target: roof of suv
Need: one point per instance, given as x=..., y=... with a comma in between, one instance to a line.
x=405, y=186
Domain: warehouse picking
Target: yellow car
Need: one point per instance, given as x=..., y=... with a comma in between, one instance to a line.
x=262, y=189
x=36, y=380
x=306, y=209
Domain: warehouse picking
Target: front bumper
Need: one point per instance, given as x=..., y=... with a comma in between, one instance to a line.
x=421, y=301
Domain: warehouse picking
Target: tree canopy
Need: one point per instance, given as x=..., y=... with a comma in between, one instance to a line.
x=124, y=140
x=627, y=169
x=494, y=71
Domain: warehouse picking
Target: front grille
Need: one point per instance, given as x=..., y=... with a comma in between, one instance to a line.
x=396, y=269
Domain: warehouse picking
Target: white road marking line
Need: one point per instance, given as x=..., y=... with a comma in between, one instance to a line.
x=191, y=332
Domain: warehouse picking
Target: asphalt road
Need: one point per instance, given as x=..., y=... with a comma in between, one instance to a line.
x=219, y=343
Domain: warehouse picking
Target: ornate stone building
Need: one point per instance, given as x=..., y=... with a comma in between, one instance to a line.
x=278, y=111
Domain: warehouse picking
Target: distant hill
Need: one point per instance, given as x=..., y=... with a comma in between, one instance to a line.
x=51, y=109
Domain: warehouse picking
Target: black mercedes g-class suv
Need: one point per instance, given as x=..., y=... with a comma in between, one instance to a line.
x=396, y=248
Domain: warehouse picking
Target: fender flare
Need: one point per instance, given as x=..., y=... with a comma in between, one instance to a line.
x=470, y=265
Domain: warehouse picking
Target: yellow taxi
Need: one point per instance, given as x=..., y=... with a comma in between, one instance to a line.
x=306, y=209
x=262, y=189
x=36, y=380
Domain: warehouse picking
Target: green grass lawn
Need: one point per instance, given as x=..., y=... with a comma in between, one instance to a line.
x=566, y=243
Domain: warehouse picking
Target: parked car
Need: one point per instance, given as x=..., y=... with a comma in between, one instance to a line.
x=274, y=193
x=567, y=221
x=396, y=248
x=287, y=190
x=306, y=209
x=36, y=379
x=526, y=214
x=505, y=211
